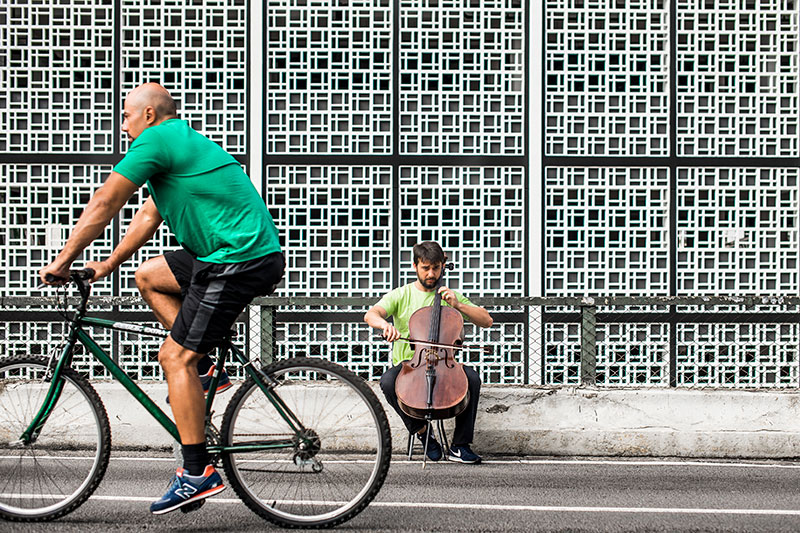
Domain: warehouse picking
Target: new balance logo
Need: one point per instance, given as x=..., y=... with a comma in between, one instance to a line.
x=185, y=492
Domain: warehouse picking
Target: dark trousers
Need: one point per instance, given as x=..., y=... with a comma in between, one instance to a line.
x=465, y=422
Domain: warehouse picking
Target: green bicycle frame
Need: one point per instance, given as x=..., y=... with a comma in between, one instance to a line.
x=77, y=334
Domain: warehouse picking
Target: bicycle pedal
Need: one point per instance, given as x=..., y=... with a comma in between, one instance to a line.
x=194, y=506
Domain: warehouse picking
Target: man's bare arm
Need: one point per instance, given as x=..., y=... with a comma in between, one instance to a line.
x=104, y=205
x=476, y=314
x=376, y=318
x=140, y=230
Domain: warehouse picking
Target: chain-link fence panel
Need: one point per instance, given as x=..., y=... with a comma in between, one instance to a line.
x=644, y=342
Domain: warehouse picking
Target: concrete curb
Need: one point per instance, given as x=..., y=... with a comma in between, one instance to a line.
x=565, y=422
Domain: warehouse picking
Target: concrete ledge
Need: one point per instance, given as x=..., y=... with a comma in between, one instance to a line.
x=568, y=421
x=683, y=423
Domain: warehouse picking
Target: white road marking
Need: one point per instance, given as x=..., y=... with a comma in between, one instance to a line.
x=403, y=461
x=564, y=509
x=626, y=462
x=529, y=508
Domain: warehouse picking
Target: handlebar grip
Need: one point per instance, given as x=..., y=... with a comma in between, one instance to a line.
x=52, y=279
x=84, y=273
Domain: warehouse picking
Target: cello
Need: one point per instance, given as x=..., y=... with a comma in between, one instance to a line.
x=432, y=385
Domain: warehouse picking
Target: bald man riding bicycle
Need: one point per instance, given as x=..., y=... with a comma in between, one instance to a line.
x=230, y=254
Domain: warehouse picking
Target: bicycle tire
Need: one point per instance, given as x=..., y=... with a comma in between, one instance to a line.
x=322, y=485
x=55, y=474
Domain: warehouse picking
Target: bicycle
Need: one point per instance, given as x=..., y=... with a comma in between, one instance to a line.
x=303, y=442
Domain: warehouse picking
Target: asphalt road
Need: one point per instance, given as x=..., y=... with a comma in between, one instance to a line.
x=504, y=494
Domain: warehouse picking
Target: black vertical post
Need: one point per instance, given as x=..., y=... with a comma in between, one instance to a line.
x=588, y=345
x=673, y=184
x=268, y=329
x=116, y=151
x=396, y=13
x=543, y=186
x=526, y=195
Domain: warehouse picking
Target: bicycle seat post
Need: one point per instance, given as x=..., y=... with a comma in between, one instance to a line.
x=225, y=348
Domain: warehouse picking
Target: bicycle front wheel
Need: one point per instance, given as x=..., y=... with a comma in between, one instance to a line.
x=54, y=474
x=330, y=469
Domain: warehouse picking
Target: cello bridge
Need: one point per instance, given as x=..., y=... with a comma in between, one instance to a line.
x=432, y=354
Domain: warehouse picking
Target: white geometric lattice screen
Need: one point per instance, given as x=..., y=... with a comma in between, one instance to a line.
x=665, y=215
x=387, y=87
x=670, y=154
x=65, y=68
x=198, y=51
x=334, y=87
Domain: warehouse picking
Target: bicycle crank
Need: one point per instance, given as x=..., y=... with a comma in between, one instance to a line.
x=213, y=440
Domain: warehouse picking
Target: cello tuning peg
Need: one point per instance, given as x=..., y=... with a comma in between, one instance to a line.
x=449, y=266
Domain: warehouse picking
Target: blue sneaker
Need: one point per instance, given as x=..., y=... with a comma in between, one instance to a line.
x=462, y=454
x=223, y=384
x=186, y=489
x=434, y=448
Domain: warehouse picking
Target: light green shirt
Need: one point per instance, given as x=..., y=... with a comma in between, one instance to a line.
x=202, y=194
x=401, y=304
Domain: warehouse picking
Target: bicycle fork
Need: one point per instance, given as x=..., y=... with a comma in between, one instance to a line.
x=33, y=430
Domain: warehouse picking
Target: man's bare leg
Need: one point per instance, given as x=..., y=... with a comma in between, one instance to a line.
x=160, y=289
x=185, y=390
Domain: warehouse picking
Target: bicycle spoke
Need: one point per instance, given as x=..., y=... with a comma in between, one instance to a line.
x=58, y=470
x=337, y=465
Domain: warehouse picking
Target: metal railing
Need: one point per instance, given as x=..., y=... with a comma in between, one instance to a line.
x=747, y=342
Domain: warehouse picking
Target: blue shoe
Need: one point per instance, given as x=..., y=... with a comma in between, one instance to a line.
x=434, y=448
x=462, y=454
x=223, y=384
x=186, y=489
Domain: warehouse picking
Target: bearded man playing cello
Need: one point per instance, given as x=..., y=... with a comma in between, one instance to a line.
x=401, y=303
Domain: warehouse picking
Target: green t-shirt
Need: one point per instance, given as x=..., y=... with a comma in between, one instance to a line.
x=401, y=304
x=202, y=194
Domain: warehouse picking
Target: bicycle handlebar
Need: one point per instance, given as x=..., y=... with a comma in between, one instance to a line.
x=82, y=274
x=81, y=278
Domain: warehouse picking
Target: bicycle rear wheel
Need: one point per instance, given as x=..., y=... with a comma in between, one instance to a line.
x=334, y=468
x=57, y=472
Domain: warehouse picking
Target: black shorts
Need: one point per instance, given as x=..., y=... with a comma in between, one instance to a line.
x=214, y=295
